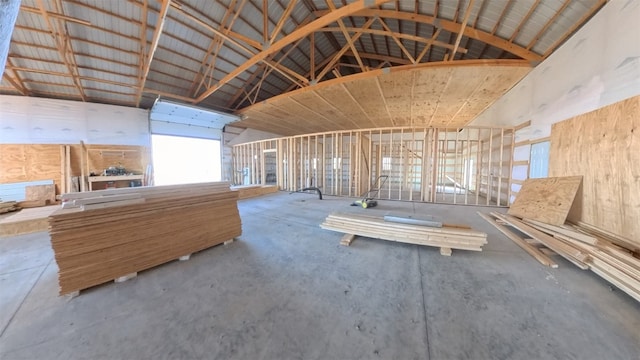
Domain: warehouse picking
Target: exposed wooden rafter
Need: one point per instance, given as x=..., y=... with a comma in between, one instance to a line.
x=347, y=37
x=290, y=38
x=63, y=44
x=467, y=13
x=452, y=27
x=152, y=50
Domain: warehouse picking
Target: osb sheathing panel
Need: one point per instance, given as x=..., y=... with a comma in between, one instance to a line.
x=604, y=147
x=32, y=162
x=436, y=95
x=20, y=163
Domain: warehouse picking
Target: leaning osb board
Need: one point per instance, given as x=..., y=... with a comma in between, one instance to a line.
x=547, y=200
x=604, y=146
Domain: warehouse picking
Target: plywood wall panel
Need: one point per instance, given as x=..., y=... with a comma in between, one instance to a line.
x=33, y=162
x=434, y=95
x=604, y=147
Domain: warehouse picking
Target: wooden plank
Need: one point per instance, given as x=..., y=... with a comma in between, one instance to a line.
x=347, y=239
x=546, y=200
x=530, y=249
x=553, y=230
x=570, y=253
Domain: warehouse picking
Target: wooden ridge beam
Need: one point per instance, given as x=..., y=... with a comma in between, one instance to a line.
x=450, y=26
x=290, y=38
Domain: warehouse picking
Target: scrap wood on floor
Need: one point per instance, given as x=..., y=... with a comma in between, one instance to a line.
x=579, y=245
x=445, y=238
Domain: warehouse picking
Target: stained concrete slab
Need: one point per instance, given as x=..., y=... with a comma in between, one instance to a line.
x=287, y=289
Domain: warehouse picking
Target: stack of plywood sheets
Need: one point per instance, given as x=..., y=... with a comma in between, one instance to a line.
x=249, y=191
x=27, y=221
x=446, y=238
x=97, y=245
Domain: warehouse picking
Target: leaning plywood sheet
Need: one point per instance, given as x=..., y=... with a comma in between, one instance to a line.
x=604, y=146
x=547, y=200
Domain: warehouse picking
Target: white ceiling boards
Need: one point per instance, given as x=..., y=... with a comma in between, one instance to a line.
x=172, y=118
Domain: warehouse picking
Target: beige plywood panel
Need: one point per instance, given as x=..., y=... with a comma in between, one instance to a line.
x=396, y=89
x=311, y=100
x=432, y=95
x=426, y=96
x=28, y=162
x=340, y=98
x=371, y=101
x=604, y=146
x=546, y=200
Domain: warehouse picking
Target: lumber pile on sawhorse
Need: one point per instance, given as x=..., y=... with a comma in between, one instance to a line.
x=444, y=238
x=97, y=242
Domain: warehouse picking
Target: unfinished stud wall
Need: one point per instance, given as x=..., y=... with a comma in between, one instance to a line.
x=604, y=147
x=458, y=166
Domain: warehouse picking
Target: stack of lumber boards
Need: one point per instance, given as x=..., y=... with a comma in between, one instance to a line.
x=581, y=246
x=446, y=238
x=97, y=245
x=540, y=212
x=8, y=206
x=249, y=191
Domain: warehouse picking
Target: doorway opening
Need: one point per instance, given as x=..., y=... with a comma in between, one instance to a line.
x=185, y=160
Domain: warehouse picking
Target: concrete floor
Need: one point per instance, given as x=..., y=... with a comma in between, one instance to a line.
x=287, y=290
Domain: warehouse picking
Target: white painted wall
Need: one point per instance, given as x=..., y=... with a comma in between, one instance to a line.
x=597, y=66
x=31, y=120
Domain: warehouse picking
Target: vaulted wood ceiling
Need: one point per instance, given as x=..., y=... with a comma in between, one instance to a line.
x=231, y=54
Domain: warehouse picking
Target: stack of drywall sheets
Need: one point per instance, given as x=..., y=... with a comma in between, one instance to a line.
x=377, y=228
x=94, y=246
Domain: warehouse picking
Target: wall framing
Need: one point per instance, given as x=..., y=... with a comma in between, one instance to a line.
x=469, y=166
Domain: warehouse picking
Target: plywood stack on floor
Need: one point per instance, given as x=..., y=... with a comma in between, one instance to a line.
x=446, y=238
x=541, y=214
x=27, y=221
x=98, y=245
x=8, y=206
x=249, y=191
